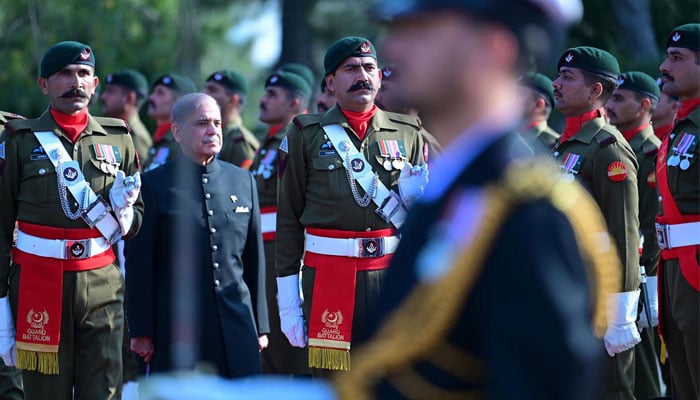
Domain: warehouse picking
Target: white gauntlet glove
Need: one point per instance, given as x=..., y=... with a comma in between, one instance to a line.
x=621, y=311
x=291, y=315
x=123, y=195
x=652, y=291
x=7, y=333
x=412, y=181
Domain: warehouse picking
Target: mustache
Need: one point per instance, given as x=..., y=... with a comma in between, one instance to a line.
x=667, y=76
x=75, y=92
x=611, y=113
x=361, y=85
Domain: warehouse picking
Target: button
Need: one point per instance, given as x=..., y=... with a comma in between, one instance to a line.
x=42, y=171
x=217, y=283
x=207, y=196
x=205, y=180
x=673, y=135
x=331, y=167
x=212, y=230
x=216, y=265
x=210, y=212
x=214, y=248
x=660, y=198
x=556, y=154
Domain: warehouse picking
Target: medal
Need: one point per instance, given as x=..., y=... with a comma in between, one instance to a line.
x=397, y=163
x=112, y=169
x=685, y=164
x=674, y=160
x=568, y=178
x=103, y=167
x=387, y=165
x=266, y=174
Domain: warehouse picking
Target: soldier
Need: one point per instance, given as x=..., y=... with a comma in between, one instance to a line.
x=10, y=377
x=388, y=99
x=345, y=179
x=56, y=174
x=301, y=70
x=630, y=110
x=166, y=90
x=664, y=116
x=678, y=228
x=325, y=99
x=487, y=295
x=229, y=89
x=537, y=96
x=286, y=95
x=596, y=153
x=123, y=96
x=201, y=235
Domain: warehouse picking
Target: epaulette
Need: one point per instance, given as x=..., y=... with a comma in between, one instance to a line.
x=303, y=120
x=405, y=119
x=650, y=148
x=605, y=138
x=8, y=116
x=18, y=125
x=114, y=125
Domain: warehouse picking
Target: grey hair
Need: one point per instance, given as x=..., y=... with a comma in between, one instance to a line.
x=186, y=104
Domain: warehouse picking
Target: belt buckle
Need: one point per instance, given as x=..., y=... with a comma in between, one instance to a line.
x=371, y=247
x=93, y=221
x=662, y=236
x=76, y=249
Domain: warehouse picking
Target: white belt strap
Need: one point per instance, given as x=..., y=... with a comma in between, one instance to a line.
x=61, y=249
x=388, y=202
x=678, y=235
x=96, y=212
x=268, y=222
x=351, y=247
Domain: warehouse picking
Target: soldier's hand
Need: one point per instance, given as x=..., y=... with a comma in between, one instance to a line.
x=291, y=315
x=125, y=190
x=412, y=182
x=143, y=346
x=8, y=352
x=621, y=312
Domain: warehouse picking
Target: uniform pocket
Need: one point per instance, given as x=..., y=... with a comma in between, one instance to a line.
x=328, y=177
x=38, y=182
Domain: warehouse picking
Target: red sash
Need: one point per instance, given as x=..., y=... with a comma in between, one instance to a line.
x=333, y=302
x=41, y=294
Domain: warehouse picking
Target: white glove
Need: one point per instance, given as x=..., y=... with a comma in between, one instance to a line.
x=621, y=312
x=652, y=291
x=123, y=195
x=412, y=181
x=8, y=351
x=291, y=316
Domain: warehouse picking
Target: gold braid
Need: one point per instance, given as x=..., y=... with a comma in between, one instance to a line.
x=424, y=319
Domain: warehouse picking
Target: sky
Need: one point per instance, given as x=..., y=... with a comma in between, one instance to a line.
x=263, y=26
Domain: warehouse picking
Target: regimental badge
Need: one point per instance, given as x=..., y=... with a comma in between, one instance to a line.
x=70, y=174
x=332, y=319
x=365, y=48
x=85, y=55
x=676, y=36
x=651, y=179
x=357, y=164
x=284, y=145
x=570, y=165
x=37, y=320
x=617, y=171
x=569, y=57
x=620, y=80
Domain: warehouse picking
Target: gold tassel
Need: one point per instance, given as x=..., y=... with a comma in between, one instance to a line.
x=325, y=358
x=662, y=352
x=45, y=363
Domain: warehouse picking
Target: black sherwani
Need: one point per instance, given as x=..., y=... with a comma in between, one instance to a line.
x=202, y=229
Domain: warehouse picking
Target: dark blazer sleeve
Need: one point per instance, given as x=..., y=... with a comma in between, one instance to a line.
x=140, y=257
x=254, y=263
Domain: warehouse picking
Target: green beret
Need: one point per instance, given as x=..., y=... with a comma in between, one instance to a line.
x=590, y=59
x=178, y=83
x=639, y=82
x=686, y=36
x=351, y=46
x=301, y=70
x=131, y=80
x=540, y=83
x=64, y=53
x=289, y=81
x=231, y=80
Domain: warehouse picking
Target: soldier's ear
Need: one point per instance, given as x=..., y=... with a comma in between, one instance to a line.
x=330, y=85
x=645, y=104
x=596, y=90
x=177, y=132
x=43, y=84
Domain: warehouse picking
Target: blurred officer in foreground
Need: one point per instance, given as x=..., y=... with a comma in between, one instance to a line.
x=10, y=377
x=630, y=110
x=597, y=155
x=286, y=95
x=166, y=90
x=346, y=178
x=678, y=228
x=197, y=265
x=57, y=173
x=124, y=94
x=494, y=232
x=229, y=89
x=537, y=96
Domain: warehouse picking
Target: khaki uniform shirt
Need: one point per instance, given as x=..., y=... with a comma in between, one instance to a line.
x=313, y=189
x=28, y=178
x=239, y=145
x=141, y=137
x=264, y=169
x=646, y=146
x=543, y=134
x=606, y=165
x=684, y=183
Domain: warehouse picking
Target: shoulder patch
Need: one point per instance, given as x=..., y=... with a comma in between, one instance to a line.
x=284, y=146
x=405, y=119
x=303, y=120
x=114, y=125
x=617, y=171
x=650, y=148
